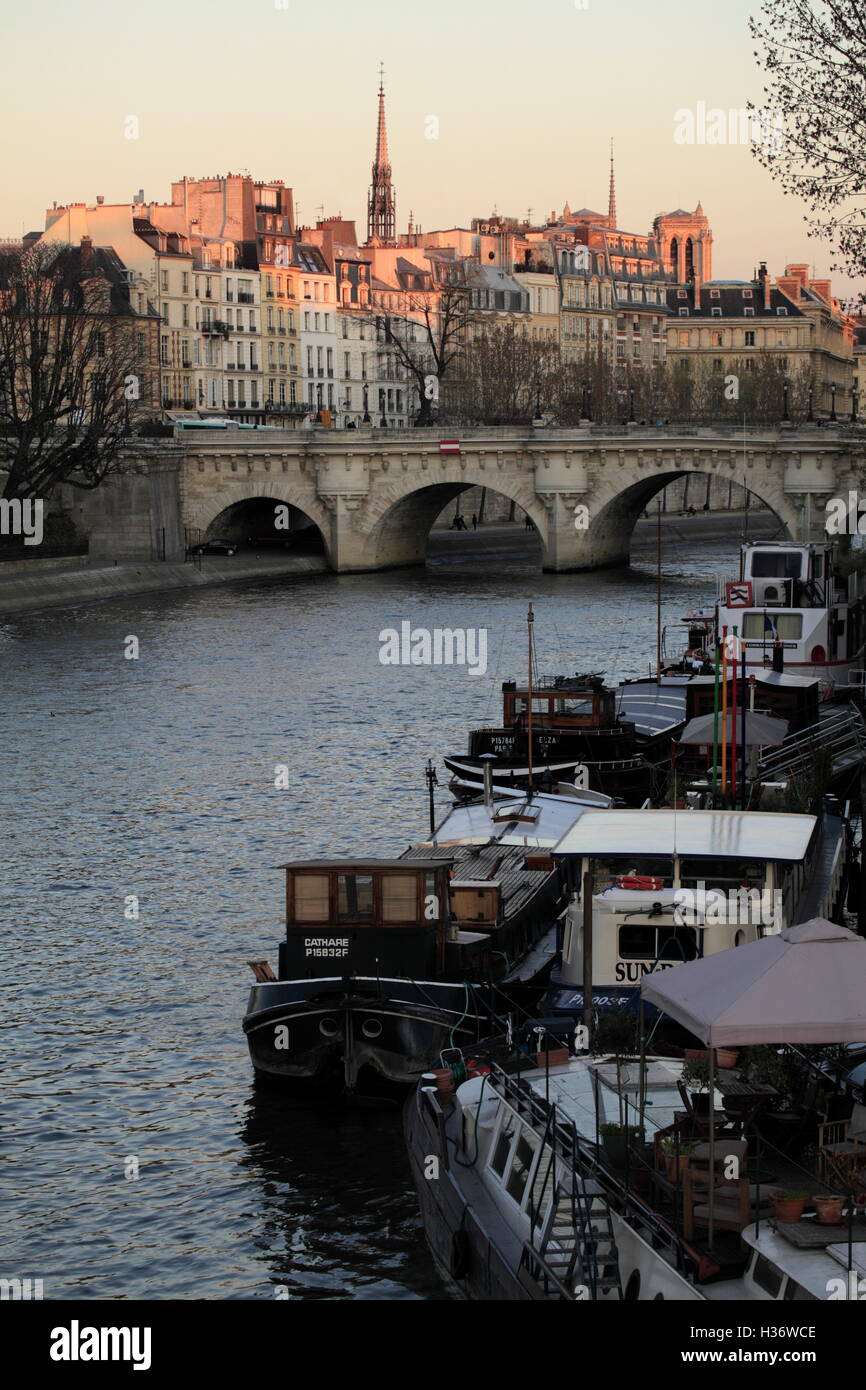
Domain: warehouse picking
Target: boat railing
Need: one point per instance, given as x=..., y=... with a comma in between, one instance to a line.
x=841, y=731
x=585, y=1161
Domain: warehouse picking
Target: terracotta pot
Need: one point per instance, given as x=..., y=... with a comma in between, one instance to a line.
x=828, y=1210
x=788, y=1210
x=444, y=1080
x=726, y=1057
x=556, y=1057
x=674, y=1161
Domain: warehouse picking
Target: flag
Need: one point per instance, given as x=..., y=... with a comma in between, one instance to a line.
x=770, y=626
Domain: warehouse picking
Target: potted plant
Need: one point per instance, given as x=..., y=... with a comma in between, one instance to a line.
x=615, y=1140
x=615, y=1035
x=726, y=1057
x=828, y=1210
x=696, y=1079
x=788, y=1206
x=676, y=1155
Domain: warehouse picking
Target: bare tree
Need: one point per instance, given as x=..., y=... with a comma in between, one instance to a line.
x=813, y=125
x=427, y=337
x=71, y=371
x=503, y=377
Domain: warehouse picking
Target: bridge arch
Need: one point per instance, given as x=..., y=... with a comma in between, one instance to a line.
x=248, y=509
x=399, y=519
x=614, y=511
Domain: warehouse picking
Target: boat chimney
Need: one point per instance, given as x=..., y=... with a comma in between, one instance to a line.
x=487, y=759
x=778, y=656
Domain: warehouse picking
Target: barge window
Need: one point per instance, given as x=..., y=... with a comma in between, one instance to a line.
x=662, y=943
x=503, y=1145
x=311, y=898
x=399, y=898
x=573, y=706
x=524, y=1153
x=355, y=898
x=795, y=1293
x=776, y=564
x=767, y=1276
x=788, y=625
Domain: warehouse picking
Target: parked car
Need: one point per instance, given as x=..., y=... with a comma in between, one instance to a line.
x=215, y=547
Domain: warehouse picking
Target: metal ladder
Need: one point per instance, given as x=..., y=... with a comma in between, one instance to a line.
x=577, y=1256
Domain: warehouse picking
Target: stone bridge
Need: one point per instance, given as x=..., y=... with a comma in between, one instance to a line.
x=373, y=495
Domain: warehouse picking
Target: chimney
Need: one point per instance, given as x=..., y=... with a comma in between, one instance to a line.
x=697, y=284
x=100, y=199
x=768, y=287
x=86, y=254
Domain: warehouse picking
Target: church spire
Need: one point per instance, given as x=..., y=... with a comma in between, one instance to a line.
x=381, y=209
x=611, y=202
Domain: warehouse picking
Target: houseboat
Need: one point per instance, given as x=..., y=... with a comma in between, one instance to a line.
x=653, y=888
x=801, y=597
x=386, y=962
x=521, y=1198
x=563, y=730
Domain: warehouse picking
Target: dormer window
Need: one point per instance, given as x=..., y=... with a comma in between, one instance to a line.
x=782, y=313
x=716, y=313
x=684, y=313
x=749, y=313
x=748, y=294
x=682, y=294
x=715, y=294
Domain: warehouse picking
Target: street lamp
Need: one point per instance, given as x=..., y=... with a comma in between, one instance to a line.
x=811, y=415
x=855, y=400
x=832, y=400
x=538, y=415
x=366, y=419
x=631, y=405
x=785, y=400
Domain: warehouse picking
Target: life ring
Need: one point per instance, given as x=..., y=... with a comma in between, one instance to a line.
x=635, y=881
x=461, y=1255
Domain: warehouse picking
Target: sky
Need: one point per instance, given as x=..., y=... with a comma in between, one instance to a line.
x=492, y=104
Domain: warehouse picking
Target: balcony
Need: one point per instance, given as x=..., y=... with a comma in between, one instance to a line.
x=230, y=296
x=215, y=326
x=282, y=330
x=244, y=297
x=189, y=405
x=283, y=367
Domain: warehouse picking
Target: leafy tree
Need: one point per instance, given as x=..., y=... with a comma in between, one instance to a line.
x=814, y=55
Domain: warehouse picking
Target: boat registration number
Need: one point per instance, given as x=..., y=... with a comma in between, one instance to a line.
x=326, y=945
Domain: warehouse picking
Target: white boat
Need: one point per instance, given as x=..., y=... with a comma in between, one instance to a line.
x=667, y=886
x=518, y=1203
x=795, y=597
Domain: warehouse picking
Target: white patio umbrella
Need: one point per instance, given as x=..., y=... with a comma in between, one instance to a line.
x=806, y=984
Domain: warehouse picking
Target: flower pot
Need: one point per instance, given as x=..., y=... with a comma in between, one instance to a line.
x=828, y=1210
x=788, y=1209
x=676, y=1165
x=726, y=1057
x=556, y=1057
x=444, y=1080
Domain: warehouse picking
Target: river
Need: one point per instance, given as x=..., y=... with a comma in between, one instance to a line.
x=138, y=1162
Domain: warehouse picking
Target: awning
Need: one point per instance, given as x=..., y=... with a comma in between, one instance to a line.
x=806, y=984
x=761, y=729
